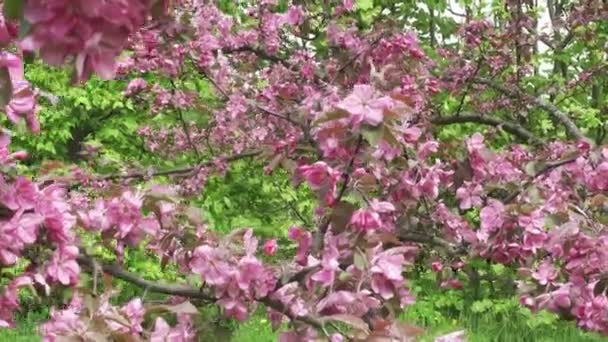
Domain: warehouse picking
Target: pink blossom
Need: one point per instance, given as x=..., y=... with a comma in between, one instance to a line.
x=63, y=267
x=63, y=323
x=318, y=175
x=381, y=206
x=294, y=16
x=436, y=266
x=21, y=103
x=304, y=241
x=336, y=338
x=469, y=195
x=491, y=218
x=427, y=148
x=208, y=262
x=386, y=270
x=412, y=134
x=270, y=247
x=234, y=308
x=59, y=29
x=135, y=86
x=365, y=220
x=452, y=283
x=545, y=274
x=348, y=5
x=329, y=264
x=165, y=333
x=365, y=106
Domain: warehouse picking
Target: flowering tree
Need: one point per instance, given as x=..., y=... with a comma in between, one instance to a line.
x=352, y=98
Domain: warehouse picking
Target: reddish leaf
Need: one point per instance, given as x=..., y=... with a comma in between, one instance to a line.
x=462, y=172
x=331, y=116
x=340, y=216
x=6, y=87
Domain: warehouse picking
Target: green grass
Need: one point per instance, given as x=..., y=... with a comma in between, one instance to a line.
x=494, y=321
x=26, y=331
x=487, y=327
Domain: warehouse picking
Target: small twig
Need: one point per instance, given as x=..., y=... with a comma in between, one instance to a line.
x=183, y=171
x=265, y=110
x=431, y=240
x=468, y=88
x=119, y=273
x=320, y=234
x=180, y=116
x=544, y=170
x=298, y=214
x=354, y=59
x=258, y=52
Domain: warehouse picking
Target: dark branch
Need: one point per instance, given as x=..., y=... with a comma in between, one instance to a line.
x=180, y=116
x=509, y=127
x=183, y=171
x=429, y=240
x=320, y=234
x=540, y=103
x=118, y=272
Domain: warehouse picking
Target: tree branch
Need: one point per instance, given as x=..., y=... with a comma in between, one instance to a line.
x=547, y=168
x=118, y=272
x=320, y=234
x=180, y=116
x=509, y=127
x=267, y=111
x=258, y=52
x=549, y=107
x=177, y=171
x=430, y=240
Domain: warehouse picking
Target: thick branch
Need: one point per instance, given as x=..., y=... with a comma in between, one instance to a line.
x=429, y=240
x=118, y=272
x=549, y=107
x=509, y=127
x=177, y=171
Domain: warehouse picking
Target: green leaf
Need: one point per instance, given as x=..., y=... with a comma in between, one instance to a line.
x=360, y=261
x=373, y=135
x=365, y=5
x=13, y=9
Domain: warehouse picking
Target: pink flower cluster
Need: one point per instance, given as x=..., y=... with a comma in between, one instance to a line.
x=93, y=33
x=20, y=103
x=237, y=281
x=31, y=214
x=120, y=218
x=322, y=179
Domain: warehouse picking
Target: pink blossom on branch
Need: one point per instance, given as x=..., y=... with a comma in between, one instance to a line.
x=365, y=106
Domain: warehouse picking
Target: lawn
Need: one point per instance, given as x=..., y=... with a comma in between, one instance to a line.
x=514, y=326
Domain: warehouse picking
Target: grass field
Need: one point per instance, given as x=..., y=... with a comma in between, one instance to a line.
x=510, y=327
